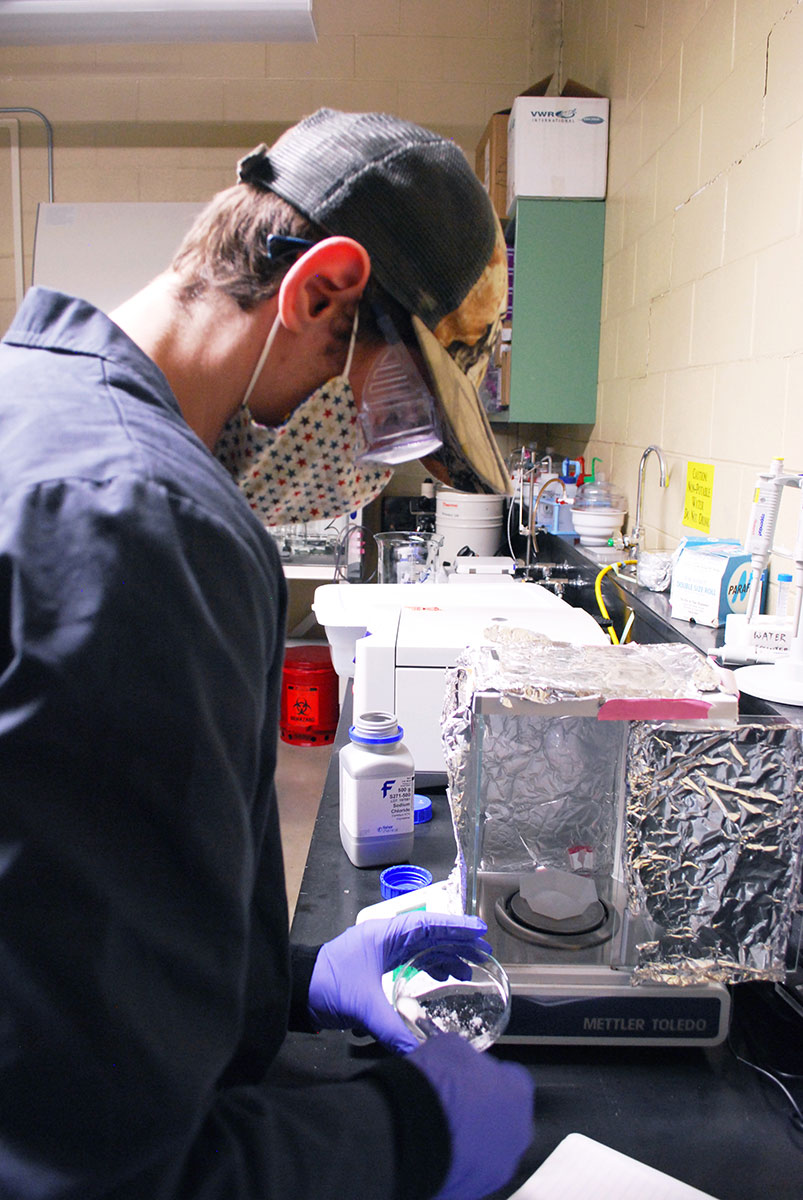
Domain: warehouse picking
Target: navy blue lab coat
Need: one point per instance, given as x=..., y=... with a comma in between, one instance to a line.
x=146, y=981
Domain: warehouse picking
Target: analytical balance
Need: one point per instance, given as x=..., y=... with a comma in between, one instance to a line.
x=632, y=845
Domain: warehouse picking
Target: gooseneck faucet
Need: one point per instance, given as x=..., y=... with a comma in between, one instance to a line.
x=532, y=541
x=637, y=531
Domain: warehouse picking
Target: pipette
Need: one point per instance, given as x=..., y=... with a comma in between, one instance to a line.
x=763, y=519
x=798, y=600
x=782, y=682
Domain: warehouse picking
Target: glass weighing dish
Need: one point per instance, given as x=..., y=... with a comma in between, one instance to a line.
x=454, y=988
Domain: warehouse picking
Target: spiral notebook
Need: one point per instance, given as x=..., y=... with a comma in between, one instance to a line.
x=582, y=1169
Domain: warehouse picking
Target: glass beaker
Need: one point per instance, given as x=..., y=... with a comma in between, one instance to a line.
x=407, y=557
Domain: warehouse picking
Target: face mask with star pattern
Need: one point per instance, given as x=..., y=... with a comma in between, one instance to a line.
x=305, y=469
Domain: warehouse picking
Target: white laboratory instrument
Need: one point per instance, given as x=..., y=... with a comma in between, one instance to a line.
x=397, y=641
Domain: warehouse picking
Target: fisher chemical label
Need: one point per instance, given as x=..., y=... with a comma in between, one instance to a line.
x=376, y=806
x=699, y=496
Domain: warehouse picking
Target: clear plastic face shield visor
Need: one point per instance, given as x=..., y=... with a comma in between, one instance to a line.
x=397, y=412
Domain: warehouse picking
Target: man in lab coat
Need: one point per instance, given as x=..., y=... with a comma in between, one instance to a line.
x=146, y=982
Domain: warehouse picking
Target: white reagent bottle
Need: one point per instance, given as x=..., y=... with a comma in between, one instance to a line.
x=377, y=775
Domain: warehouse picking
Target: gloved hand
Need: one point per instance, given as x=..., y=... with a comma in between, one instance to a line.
x=489, y=1109
x=345, y=990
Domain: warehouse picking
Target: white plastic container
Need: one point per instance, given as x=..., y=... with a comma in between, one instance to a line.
x=598, y=512
x=377, y=775
x=595, y=526
x=464, y=519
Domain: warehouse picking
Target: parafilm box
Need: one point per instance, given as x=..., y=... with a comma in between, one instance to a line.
x=557, y=146
x=710, y=580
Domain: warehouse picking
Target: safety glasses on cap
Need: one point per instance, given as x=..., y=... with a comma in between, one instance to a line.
x=397, y=413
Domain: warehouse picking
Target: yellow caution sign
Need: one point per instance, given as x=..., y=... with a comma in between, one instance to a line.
x=699, y=495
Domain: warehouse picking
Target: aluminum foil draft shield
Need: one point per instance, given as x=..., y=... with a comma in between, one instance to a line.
x=694, y=828
x=713, y=848
x=526, y=784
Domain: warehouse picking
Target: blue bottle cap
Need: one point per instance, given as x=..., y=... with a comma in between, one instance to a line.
x=395, y=881
x=422, y=809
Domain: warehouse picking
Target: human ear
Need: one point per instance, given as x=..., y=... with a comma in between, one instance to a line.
x=333, y=272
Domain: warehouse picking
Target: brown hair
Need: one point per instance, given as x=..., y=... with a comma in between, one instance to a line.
x=226, y=248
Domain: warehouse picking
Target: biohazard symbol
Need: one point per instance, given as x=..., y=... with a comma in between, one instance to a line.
x=301, y=708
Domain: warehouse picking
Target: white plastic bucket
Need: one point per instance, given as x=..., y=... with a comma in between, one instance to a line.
x=467, y=520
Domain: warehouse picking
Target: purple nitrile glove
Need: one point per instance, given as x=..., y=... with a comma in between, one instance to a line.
x=488, y=1107
x=345, y=990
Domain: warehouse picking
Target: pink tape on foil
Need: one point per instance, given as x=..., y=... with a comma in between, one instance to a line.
x=654, y=709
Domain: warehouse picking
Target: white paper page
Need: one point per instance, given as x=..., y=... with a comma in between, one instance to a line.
x=582, y=1169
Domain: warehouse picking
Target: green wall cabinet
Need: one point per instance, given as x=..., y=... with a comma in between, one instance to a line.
x=557, y=288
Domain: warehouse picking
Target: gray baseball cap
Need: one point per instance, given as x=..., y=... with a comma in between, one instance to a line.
x=412, y=200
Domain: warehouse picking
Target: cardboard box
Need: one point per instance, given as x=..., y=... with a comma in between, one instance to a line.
x=710, y=580
x=490, y=162
x=557, y=146
x=490, y=159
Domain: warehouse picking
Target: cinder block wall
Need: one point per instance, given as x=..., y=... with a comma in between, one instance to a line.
x=702, y=329
x=168, y=122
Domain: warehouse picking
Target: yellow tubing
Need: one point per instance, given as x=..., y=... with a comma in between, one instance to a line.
x=629, y=562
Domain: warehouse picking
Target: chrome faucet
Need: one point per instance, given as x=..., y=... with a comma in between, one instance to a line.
x=633, y=539
x=532, y=539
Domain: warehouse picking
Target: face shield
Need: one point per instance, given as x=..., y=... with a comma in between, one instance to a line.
x=397, y=411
